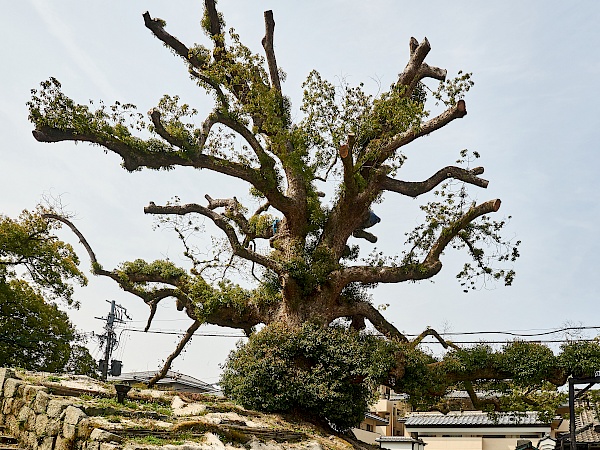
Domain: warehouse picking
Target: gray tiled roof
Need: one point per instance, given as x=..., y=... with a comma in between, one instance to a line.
x=470, y=420
x=171, y=377
x=587, y=422
x=377, y=418
x=397, y=439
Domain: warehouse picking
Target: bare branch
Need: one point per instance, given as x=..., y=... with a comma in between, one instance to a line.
x=414, y=189
x=220, y=221
x=379, y=322
x=215, y=26
x=186, y=338
x=431, y=332
x=157, y=28
x=416, y=69
x=267, y=44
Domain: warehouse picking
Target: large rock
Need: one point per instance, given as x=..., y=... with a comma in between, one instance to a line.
x=40, y=404
x=73, y=415
x=4, y=375
x=56, y=407
x=100, y=435
x=11, y=386
x=41, y=424
x=30, y=392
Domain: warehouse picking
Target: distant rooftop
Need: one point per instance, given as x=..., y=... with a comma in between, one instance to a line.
x=174, y=379
x=474, y=420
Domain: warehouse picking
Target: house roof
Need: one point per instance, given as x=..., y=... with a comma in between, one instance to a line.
x=172, y=377
x=398, y=439
x=377, y=418
x=587, y=427
x=474, y=420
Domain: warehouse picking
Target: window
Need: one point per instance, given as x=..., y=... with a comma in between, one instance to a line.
x=369, y=427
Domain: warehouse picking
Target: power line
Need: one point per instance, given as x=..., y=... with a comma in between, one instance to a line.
x=542, y=341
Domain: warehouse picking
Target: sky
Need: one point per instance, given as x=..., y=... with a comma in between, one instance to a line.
x=533, y=115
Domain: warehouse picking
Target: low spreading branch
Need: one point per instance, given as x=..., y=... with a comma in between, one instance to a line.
x=416, y=188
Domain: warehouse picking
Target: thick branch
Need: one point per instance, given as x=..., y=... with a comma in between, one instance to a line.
x=414, y=189
x=431, y=332
x=455, y=112
x=186, y=338
x=157, y=28
x=385, y=274
x=416, y=69
x=215, y=25
x=155, y=115
x=220, y=221
x=267, y=43
x=379, y=322
x=479, y=402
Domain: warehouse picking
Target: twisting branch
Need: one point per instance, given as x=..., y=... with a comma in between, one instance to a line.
x=450, y=232
x=416, y=188
x=371, y=313
x=267, y=163
x=78, y=233
x=186, y=338
x=431, y=332
x=267, y=44
x=220, y=221
x=479, y=402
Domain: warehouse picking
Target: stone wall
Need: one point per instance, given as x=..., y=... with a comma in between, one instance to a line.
x=41, y=421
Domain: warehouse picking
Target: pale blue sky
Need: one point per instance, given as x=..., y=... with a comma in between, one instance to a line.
x=533, y=115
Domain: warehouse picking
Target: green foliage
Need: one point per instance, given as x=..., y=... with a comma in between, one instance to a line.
x=35, y=334
x=581, y=359
x=319, y=372
x=27, y=244
x=35, y=269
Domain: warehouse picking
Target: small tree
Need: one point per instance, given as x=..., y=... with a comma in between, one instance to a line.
x=299, y=246
x=36, y=270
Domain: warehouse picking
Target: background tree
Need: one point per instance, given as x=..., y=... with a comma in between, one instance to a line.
x=318, y=180
x=36, y=271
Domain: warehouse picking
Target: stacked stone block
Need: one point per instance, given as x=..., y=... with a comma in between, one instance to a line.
x=41, y=421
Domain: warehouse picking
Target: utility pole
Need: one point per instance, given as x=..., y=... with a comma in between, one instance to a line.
x=110, y=341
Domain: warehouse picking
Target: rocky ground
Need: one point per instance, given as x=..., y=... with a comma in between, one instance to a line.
x=149, y=419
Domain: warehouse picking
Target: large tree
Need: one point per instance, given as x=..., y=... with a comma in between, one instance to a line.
x=37, y=271
x=301, y=244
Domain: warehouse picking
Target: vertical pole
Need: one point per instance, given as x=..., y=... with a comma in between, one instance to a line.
x=109, y=340
x=572, y=414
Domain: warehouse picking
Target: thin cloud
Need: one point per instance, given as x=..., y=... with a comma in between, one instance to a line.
x=62, y=32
